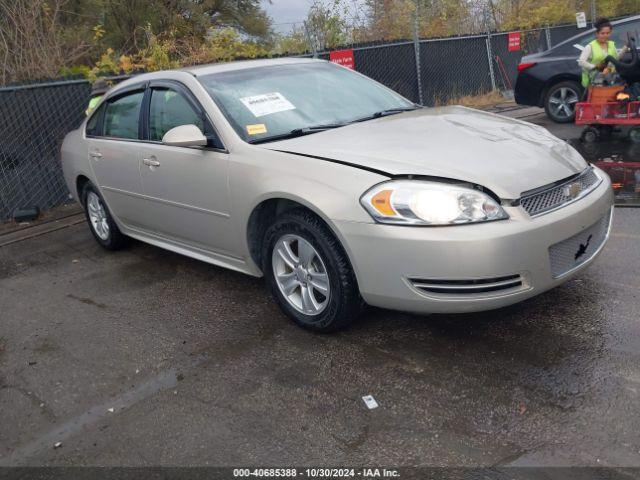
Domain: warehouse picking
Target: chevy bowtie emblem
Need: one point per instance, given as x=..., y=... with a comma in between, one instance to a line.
x=572, y=190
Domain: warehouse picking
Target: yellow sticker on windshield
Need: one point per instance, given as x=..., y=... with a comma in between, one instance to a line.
x=256, y=129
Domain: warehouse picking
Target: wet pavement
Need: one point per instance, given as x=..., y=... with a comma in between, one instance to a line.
x=145, y=357
x=620, y=158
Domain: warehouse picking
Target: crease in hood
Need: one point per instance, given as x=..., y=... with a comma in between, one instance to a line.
x=505, y=155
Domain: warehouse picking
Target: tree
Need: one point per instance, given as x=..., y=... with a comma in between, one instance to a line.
x=295, y=42
x=38, y=38
x=324, y=26
x=125, y=21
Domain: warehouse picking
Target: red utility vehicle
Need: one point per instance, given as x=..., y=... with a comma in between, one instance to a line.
x=601, y=113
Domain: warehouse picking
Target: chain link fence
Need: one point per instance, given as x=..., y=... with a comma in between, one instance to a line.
x=35, y=118
x=439, y=71
x=33, y=122
x=454, y=68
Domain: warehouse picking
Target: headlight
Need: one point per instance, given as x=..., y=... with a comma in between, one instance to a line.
x=415, y=202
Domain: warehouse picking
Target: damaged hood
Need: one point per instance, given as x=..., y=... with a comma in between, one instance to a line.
x=505, y=155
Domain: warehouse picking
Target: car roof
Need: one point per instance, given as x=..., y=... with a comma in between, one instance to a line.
x=591, y=30
x=200, y=70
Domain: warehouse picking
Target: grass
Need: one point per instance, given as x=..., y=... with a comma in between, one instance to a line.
x=481, y=100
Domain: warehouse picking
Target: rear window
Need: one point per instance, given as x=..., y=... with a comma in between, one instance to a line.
x=122, y=116
x=93, y=123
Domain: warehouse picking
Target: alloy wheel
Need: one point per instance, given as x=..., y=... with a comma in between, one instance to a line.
x=563, y=102
x=301, y=275
x=98, y=216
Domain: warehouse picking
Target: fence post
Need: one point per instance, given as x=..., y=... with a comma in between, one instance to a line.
x=490, y=60
x=547, y=32
x=416, y=49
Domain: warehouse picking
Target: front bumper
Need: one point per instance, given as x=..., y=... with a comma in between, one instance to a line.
x=388, y=259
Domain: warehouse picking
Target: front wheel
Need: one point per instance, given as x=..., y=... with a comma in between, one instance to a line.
x=309, y=274
x=560, y=101
x=590, y=135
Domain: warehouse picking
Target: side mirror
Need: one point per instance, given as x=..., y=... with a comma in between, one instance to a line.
x=185, y=136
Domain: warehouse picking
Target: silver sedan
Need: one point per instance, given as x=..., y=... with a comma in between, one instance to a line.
x=337, y=190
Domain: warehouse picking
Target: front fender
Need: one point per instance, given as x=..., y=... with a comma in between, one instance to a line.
x=332, y=191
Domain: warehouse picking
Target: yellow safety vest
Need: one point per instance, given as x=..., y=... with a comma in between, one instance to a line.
x=93, y=103
x=597, y=56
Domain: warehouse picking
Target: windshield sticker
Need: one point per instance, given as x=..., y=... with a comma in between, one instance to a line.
x=256, y=129
x=266, y=104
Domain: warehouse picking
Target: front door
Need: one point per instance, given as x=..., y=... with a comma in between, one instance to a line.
x=186, y=187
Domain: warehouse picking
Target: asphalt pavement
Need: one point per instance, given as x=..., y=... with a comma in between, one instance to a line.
x=145, y=357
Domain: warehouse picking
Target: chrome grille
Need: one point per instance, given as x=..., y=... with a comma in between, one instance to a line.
x=569, y=254
x=560, y=195
x=468, y=287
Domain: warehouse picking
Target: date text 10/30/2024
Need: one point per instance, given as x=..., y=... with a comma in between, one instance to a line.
x=315, y=473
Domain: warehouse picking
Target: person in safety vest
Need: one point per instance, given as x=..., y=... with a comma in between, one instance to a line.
x=98, y=89
x=592, y=58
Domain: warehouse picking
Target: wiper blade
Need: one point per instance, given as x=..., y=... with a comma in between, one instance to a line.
x=315, y=128
x=298, y=132
x=384, y=113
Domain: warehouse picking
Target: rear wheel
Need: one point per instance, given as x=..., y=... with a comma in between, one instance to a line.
x=309, y=274
x=560, y=101
x=100, y=221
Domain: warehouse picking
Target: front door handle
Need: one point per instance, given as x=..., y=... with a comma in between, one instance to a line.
x=95, y=155
x=149, y=162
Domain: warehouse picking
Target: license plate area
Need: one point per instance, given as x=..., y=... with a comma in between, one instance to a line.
x=569, y=254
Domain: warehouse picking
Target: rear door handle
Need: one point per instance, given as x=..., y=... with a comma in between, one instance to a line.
x=151, y=162
x=95, y=155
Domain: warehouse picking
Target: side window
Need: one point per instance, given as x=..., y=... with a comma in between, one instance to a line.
x=169, y=109
x=122, y=116
x=92, y=125
x=587, y=39
x=619, y=33
x=570, y=49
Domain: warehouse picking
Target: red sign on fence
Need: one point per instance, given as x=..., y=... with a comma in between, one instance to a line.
x=514, y=41
x=344, y=58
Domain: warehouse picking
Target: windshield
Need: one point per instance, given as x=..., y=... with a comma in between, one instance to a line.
x=273, y=102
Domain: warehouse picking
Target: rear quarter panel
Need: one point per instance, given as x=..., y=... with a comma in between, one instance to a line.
x=533, y=83
x=75, y=160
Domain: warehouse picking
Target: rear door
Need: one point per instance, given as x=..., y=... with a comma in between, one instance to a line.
x=114, y=155
x=186, y=187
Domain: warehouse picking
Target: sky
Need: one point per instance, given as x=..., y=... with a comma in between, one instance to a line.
x=285, y=13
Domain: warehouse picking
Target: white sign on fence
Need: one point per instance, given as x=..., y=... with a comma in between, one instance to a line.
x=581, y=19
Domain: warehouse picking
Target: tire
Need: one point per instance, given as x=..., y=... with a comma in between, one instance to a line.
x=634, y=135
x=590, y=135
x=607, y=131
x=560, y=101
x=106, y=232
x=284, y=241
